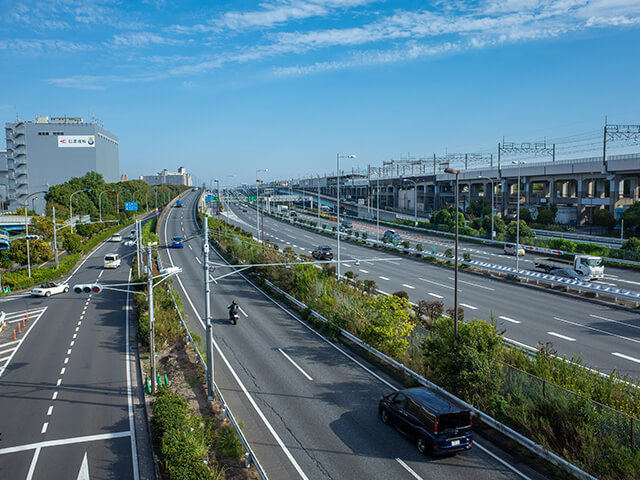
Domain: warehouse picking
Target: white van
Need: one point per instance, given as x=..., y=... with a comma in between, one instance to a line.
x=111, y=260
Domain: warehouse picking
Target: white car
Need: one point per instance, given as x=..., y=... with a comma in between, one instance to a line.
x=50, y=288
x=130, y=243
x=116, y=237
x=510, y=249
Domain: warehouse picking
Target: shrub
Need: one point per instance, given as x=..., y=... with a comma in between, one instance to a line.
x=228, y=445
x=365, y=235
x=419, y=247
x=170, y=411
x=432, y=310
x=369, y=286
x=466, y=256
x=349, y=274
x=406, y=244
x=545, y=216
x=401, y=294
x=72, y=242
x=448, y=253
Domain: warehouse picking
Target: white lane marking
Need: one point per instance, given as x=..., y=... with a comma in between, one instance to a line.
x=242, y=311
x=34, y=461
x=63, y=370
x=614, y=321
x=435, y=295
x=83, y=474
x=626, y=357
x=564, y=337
x=364, y=271
x=409, y=469
x=596, y=329
x=347, y=265
x=383, y=278
x=66, y=360
x=37, y=317
x=44, y=427
x=77, y=328
x=69, y=352
x=59, y=382
x=72, y=343
x=55, y=395
x=474, y=284
x=5, y=358
x=436, y=283
x=9, y=343
x=63, y=441
x=506, y=464
x=408, y=286
x=75, y=335
x=198, y=260
x=275, y=435
x=190, y=247
x=508, y=319
x=468, y=306
x=81, y=317
x=132, y=430
x=50, y=411
x=296, y=365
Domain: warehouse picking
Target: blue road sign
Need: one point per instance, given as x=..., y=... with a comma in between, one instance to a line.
x=131, y=206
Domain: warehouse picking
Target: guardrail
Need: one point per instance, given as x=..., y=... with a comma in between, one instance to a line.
x=249, y=455
x=487, y=419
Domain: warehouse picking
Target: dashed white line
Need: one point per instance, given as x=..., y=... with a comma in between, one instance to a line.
x=435, y=295
x=198, y=260
x=190, y=247
x=69, y=352
x=564, y=337
x=295, y=365
x=75, y=335
x=346, y=265
x=55, y=395
x=62, y=370
x=44, y=427
x=436, y=283
x=242, y=311
x=626, y=357
x=66, y=360
x=364, y=271
x=596, y=329
x=50, y=411
x=384, y=278
x=59, y=382
x=409, y=469
x=614, y=321
x=72, y=343
x=408, y=286
x=509, y=319
x=474, y=284
x=468, y=306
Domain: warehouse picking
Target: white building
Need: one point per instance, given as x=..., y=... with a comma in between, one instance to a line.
x=165, y=177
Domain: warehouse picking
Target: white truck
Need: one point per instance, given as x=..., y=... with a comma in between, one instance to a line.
x=587, y=265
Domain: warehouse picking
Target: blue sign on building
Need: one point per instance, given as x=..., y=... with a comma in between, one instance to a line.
x=131, y=206
x=212, y=198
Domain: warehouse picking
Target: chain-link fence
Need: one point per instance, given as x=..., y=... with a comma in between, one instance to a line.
x=611, y=423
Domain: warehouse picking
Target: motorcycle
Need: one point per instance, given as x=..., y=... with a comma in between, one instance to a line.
x=233, y=317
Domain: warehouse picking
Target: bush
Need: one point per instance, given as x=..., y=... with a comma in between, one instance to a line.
x=448, y=253
x=227, y=443
x=466, y=256
x=369, y=286
x=365, y=235
x=406, y=244
x=545, y=216
x=432, y=310
x=419, y=247
x=72, y=242
x=401, y=294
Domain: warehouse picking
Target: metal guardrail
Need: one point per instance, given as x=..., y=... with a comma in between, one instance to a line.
x=502, y=269
x=250, y=456
x=579, y=237
x=487, y=419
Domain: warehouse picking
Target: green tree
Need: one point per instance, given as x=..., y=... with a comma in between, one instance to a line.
x=471, y=367
x=526, y=233
x=72, y=242
x=478, y=207
x=39, y=251
x=42, y=226
x=604, y=218
x=389, y=323
x=632, y=245
x=631, y=216
x=545, y=216
x=525, y=215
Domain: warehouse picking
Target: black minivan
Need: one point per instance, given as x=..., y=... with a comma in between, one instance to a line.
x=437, y=425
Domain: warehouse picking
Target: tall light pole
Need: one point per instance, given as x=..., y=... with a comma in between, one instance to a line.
x=207, y=305
x=71, y=206
x=455, y=276
x=492, y=190
x=26, y=228
x=258, y=203
x=218, y=192
x=100, y=201
x=338, y=157
x=415, y=201
x=318, y=201
x=519, y=163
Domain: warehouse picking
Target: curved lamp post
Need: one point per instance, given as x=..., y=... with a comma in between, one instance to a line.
x=338, y=157
x=26, y=228
x=71, y=206
x=415, y=201
x=519, y=163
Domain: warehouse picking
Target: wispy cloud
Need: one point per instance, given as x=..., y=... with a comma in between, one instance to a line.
x=141, y=39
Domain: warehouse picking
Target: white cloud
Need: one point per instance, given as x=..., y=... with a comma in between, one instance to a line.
x=141, y=39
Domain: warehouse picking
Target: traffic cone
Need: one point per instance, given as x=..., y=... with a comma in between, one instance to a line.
x=24, y=322
x=27, y=316
x=14, y=333
x=19, y=330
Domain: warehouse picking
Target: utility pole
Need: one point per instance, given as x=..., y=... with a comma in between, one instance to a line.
x=55, y=239
x=138, y=247
x=207, y=305
x=152, y=339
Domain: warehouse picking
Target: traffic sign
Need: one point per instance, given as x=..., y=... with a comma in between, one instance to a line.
x=251, y=198
x=212, y=198
x=131, y=206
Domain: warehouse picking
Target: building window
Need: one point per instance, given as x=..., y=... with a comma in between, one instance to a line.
x=43, y=133
x=58, y=133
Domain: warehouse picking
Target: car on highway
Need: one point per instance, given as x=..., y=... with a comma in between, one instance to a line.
x=510, y=249
x=323, y=252
x=50, y=288
x=130, y=243
x=569, y=273
x=132, y=234
x=177, y=242
x=244, y=210
x=293, y=214
x=112, y=260
x=116, y=237
x=433, y=422
x=392, y=236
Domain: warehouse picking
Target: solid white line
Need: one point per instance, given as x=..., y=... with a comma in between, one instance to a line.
x=615, y=321
x=295, y=365
x=242, y=311
x=596, y=329
x=383, y=278
x=63, y=441
x=100, y=274
x=408, y=286
x=436, y=283
x=626, y=357
x=198, y=260
x=132, y=429
x=409, y=469
x=509, y=319
x=469, y=306
x=474, y=284
x=435, y=295
x=44, y=427
x=564, y=337
x=34, y=461
x=50, y=411
x=5, y=358
x=55, y=395
x=10, y=343
x=506, y=464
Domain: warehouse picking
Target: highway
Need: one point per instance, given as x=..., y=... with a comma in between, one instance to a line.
x=607, y=337
x=309, y=408
x=65, y=384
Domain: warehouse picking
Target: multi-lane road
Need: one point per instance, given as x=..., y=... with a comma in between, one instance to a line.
x=607, y=337
x=309, y=408
x=66, y=396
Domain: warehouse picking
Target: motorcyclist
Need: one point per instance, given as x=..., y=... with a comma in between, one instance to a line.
x=233, y=309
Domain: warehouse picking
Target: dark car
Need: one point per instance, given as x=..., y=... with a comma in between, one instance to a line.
x=345, y=225
x=392, y=236
x=568, y=273
x=436, y=425
x=322, y=253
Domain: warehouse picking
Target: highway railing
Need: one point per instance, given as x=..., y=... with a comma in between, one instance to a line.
x=485, y=418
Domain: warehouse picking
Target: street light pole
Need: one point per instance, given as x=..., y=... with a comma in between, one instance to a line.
x=258, y=203
x=26, y=229
x=152, y=340
x=207, y=306
x=378, y=206
x=455, y=276
x=338, y=157
x=55, y=238
x=519, y=163
x=415, y=201
x=71, y=205
x=492, y=190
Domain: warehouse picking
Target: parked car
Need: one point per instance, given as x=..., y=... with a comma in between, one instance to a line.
x=322, y=253
x=116, y=237
x=392, y=236
x=510, y=249
x=177, y=242
x=436, y=424
x=112, y=260
x=50, y=288
x=569, y=273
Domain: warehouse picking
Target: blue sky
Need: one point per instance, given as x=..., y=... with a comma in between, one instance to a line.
x=225, y=88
